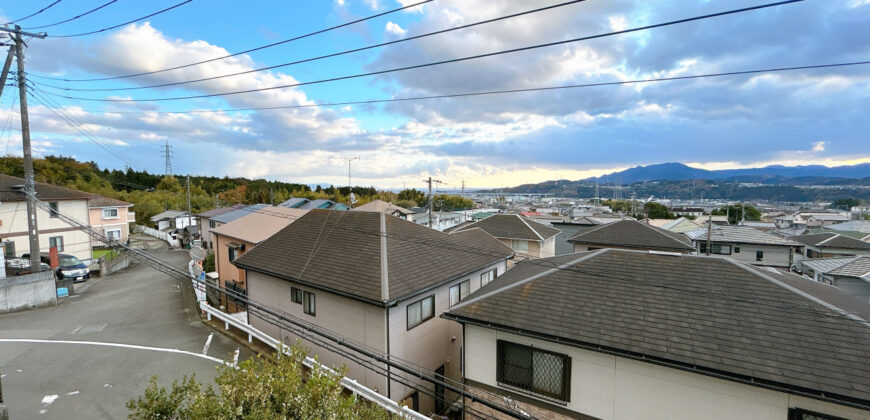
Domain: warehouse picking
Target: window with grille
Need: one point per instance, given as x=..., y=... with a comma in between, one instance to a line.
x=721, y=249
x=9, y=248
x=212, y=224
x=295, y=295
x=459, y=292
x=53, y=207
x=421, y=311
x=518, y=245
x=487, y=277
x=801, y=414
x=110, y=213
x=233, y=253
x=308, y=303
x=759, y=255
x=540, y=372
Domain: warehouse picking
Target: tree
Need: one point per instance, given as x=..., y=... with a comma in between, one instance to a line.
x=256, y=389
x=445, y=202
x=735, y=213
x=657, y=211
x=412, y=194
x=845, y=202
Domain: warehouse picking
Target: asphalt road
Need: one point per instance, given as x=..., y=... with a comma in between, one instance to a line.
x=134, y=324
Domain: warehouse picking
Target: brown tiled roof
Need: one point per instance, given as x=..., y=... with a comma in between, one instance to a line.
x=341, y=251
x=859, y=267
x=260, y=224
x=46, y=192
x=831, y=240
x=708, y=315
x=514, y=226
x=633, y=234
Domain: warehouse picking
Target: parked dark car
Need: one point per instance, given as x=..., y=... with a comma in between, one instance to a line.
x=69, y=267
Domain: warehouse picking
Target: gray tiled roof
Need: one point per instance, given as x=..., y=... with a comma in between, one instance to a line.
x=739, y=235
x=823, y=265
x=220, y=210
x=341, y=251
x=711, y=315
x=237, y=213
x=859, y=267
x=633, y=234
x=514, y=226
x=854, y=225
x=831, y=240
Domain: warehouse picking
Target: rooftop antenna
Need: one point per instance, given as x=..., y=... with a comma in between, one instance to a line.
x=350, y=197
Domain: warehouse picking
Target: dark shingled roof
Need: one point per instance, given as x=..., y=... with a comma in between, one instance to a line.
x=514, y=226
x=831, y=240
x=633, y=234
x=859, y=267
x=221, y=210
x=709, y=315
x=48, y=192
x=341, y=251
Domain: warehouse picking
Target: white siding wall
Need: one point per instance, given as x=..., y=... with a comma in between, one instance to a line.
x=611, y=387
x=14, y=221
x=431, y=343
x=548, y=249
x=776, y=256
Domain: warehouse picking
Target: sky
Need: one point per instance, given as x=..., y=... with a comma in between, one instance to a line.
x=813, y=116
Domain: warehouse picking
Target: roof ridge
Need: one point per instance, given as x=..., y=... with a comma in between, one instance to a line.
x=592, y=229
x=529, y=226
x=531, y=278
x=656, y=230
x=826, y=240
x=831, y=306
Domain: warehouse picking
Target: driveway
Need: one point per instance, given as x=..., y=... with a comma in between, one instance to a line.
x=88, y=356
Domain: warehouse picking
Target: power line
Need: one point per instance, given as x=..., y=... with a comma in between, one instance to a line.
x=123, y=24
x=74, y=17
x=449, y=61
x=321, y=57
x=485, y=93
x=332, y=28
x=34, y=13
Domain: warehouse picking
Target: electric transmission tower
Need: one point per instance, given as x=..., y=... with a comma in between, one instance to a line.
x=167, y=154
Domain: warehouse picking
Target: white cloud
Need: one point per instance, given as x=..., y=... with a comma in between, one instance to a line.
x=339, y=2
x=395, y=29
x=618, y=22
x=819, y=146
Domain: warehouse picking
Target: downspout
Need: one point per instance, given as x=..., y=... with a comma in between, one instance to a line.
x=385, y=289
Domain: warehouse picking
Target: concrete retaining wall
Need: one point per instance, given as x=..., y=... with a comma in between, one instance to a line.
x=116, y=264
x=27, y=291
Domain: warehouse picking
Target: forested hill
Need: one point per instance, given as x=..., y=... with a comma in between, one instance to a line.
x=153, y=193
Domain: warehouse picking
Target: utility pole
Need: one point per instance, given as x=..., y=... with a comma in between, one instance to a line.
x=742, y=212
x=188, y=203
x=6, y=67
x=431, y=198
x=350, y=197
x=29, y=182
x=709, y=232
x=167, y=153
x=463, y=188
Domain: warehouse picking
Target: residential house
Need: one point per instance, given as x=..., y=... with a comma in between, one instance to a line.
x=386, y=208
x=858, y=229
x=441, y=220
x=377, y=280
x=306, y=204
x=829, y=244
x=173, y=220
x=219, y=220
x=747, y=244
x=631, y=234
x=681, y=225
x=850, y=274
x=687, y=211
x=806, y=219
x=234, y=238
x=614, y=334
x=110, y=217
x=525, y=236
x=53, y=232
x=207, y=225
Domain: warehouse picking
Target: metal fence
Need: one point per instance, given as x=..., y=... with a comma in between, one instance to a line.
x=156, y=233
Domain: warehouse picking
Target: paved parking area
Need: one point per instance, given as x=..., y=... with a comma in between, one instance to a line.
x=88, y=356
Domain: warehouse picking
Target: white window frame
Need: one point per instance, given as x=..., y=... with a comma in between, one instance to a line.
x=116, y=216
x=419, y=312
x=309, y=305
x=459, y=291
x=488, y=276
x=108, y=231
x=55, y=238
x=520, y=245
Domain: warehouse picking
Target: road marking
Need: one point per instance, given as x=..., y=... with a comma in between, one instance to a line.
x=236, y=357
x=76, y=330
x=119, y=345
x=207, y=343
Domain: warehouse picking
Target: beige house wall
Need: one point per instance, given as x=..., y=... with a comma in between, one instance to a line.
x=359, y=322
x=433, y=343
x=102, y=224
x=612, y=387
x=13, y=227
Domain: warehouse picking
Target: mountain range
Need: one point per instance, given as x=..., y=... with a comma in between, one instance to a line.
x=773, y=174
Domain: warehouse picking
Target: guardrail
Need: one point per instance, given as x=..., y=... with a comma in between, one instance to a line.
x=351, y=385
